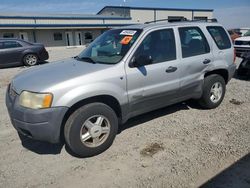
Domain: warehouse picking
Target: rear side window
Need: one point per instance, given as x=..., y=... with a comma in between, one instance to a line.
x=193, y=42
x=11, y=44
x=220, y=37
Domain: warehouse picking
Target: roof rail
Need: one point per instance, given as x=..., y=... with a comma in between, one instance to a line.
x=183, y=20
x=204, y=20
x=169, y=20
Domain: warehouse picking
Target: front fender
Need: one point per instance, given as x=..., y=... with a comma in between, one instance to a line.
x=79, y=93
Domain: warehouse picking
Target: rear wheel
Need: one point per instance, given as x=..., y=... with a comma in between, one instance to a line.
x=30, y=59
x=91, y=129
x=213, y=91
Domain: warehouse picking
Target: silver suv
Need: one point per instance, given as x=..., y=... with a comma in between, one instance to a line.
x=123, y=73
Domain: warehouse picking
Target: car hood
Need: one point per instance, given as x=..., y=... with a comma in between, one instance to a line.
x=43, y=78
x=246, y=38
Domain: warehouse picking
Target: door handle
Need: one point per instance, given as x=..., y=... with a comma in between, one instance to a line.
x=171, y=69
x=206, y=61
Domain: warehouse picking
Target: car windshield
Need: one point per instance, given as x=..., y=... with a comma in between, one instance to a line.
x=247, y=33
x=110, y=47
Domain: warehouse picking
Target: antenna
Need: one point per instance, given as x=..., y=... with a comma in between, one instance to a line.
x=124, y=4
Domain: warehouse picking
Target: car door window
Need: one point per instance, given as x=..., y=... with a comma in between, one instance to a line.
x=11, y=44
x=220, y=37
x=159, y=46
x=193, y=42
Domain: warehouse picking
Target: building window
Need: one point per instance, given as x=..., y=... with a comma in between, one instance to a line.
x=8, y=35
x=200, y=18
x=88, y=36
x=57, y=36
x=1, y=45
x=175, y=18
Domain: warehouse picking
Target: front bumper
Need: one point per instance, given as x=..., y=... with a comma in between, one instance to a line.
x=43, y=55
x=40, y=124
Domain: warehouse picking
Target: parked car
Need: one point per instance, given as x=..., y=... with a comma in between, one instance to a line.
x=242, y=44
x=15, y=52
x=233, y=34
x=244, y=67
x=123, y=73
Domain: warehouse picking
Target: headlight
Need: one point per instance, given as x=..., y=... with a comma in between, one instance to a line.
x=35, y=100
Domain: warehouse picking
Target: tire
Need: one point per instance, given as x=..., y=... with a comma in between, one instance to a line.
x=212, y=96
x=30, y=59
x=83, y=130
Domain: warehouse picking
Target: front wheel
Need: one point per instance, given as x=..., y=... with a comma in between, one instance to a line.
x=30, y=59
x=213, y=91
x=91, y=129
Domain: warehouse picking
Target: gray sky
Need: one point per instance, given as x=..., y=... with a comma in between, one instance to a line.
x=235, y=17
x=231, y=13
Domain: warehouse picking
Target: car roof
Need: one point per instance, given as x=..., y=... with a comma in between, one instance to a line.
x=172, y=24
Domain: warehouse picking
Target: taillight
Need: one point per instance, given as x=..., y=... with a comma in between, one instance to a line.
x=234, y=55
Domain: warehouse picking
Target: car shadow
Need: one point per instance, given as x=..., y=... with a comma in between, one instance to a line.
x=158, y=113
x=42, y=62
x=241, y=77
x=235, y=176
x=39, y=147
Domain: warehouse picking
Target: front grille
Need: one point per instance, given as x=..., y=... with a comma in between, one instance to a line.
x=238, y=42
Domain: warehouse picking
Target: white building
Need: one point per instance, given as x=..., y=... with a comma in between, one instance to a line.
x=79, y=29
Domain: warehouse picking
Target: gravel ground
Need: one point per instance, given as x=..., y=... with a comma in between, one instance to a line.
x=178, y=146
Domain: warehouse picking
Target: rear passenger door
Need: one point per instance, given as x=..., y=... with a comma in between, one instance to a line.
x=157, y=84
x=196, y=59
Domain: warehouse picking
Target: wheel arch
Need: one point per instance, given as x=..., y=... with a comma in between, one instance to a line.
x=222, y=72
x=109, y=100
x=29, y=52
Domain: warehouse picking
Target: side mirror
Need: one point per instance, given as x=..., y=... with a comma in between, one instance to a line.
x=140, y=61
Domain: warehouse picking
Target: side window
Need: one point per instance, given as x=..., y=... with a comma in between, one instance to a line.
x=11, y=44
x=220, y=37
x=193, y=42
x=159, y=45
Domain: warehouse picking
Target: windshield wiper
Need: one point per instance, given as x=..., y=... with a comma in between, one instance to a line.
x=87, y=59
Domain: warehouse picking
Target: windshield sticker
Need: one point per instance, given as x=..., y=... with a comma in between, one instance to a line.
x=128, y=32
x=126, y=40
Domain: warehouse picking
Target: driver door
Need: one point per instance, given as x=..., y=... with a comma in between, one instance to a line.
x=157, y=84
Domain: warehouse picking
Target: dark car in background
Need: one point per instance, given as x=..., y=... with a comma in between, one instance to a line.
x=15, y=52
x=244, y=67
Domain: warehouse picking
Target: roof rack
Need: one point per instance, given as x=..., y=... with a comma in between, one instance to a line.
x=204, y=20
x=169, y=20
x=183, y=20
